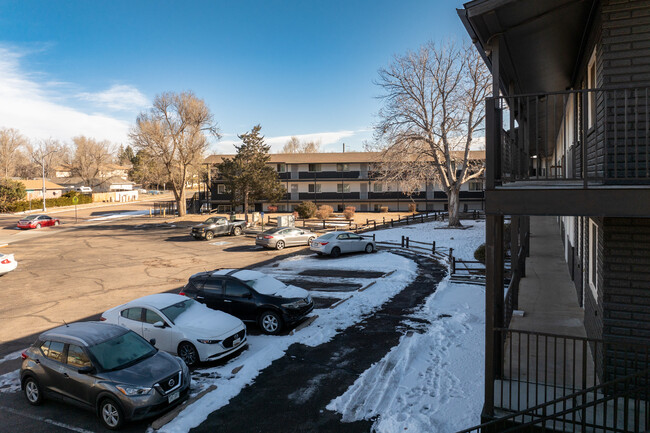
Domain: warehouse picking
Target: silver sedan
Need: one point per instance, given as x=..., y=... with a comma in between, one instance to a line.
x=281, y=237
x=337, y=243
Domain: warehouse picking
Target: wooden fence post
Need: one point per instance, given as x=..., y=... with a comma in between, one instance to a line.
x=323, y=224
x=407, y=242
x=374, y=224
x=433, y=247
x=391, y=222
x=453, y=265
x=451, y=254
x=402, y=241
x=373, y=237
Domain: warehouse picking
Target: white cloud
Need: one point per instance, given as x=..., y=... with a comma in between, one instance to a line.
x=34, y=105
x=119, y=97
x=276, y=143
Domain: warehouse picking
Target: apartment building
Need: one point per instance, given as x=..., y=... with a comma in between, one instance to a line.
x=567, y=137
x=344, y=179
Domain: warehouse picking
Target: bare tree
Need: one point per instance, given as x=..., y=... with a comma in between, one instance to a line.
x=173, y=133
x=294, y=145
x=90, y=157
x=11, y=142
x=47, y=151
x=433, y=108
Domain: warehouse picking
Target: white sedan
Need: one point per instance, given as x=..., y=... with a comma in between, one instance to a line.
x=337, y=243
x=7, y=263
x=181, y=326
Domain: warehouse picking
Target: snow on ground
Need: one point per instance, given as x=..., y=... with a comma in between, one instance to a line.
x=10, y=382
x=463, y=241
x=118, y=215
x=263, y=350
x=430, y=381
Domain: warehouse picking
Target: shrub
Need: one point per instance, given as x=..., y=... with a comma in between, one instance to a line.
x=64, y=200
x=10, y=192
x=272, y=208
x=383, y=209
x=349, y=212
x=306, y=209
x=479, y=254
x=413, y=207
x=324, y=212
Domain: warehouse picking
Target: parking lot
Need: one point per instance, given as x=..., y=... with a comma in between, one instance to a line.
x=75, y=272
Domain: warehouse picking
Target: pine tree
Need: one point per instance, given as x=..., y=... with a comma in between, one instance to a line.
x=248, y=175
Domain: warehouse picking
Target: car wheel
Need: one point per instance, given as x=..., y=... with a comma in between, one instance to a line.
x=209, y=236
x=110, y=414
x=336, y=251
x=310, y=240
x=188, y=353
x=38, y=226
x=56, y=223
x=270, y=322
x=279, y=245
x=369, y=248
x=236, y=231
x=33, y=391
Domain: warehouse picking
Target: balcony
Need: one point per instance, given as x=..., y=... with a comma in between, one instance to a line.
x=578, y=152
x=328, y=196
x=322, y=175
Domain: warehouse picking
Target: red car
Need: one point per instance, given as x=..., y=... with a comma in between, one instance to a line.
x=37, y=221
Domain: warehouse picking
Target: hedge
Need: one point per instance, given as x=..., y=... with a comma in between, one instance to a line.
x=64, y=200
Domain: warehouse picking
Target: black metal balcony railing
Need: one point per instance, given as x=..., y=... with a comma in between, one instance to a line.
x=587, y=137
x=320, y=175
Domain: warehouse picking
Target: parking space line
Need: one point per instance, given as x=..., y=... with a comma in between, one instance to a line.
x=45, y=420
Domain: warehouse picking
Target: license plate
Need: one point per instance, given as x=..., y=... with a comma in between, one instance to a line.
x=236, y=341
x=173, y=396
x=259, y=237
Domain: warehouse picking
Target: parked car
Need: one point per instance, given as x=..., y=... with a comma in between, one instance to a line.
x=251, y=296
x=84, y=189
x=7, y=263
x=217, y=226
x=104, y=368
x=182, y=326
x=281, y=237
x=37, y=221
x=337, y=243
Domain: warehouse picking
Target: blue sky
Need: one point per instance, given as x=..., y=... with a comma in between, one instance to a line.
x=301, y=68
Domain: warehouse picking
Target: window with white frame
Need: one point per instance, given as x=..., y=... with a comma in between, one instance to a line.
x=343, y=187
x=342, y=167
x=282, y=168
x=476, y=185
x=314, y=167
x=315, y=187
x=221, y=188
x=378, y=187
x=591, y=84
x=593, y=258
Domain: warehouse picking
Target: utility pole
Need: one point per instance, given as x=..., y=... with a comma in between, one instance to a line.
x=43, y=167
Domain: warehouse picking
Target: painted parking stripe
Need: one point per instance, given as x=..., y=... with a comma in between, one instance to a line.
x=45, y=420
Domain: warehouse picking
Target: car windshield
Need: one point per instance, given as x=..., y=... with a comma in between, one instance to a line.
x=173, y=311
x=210, y=221
x=121, y=352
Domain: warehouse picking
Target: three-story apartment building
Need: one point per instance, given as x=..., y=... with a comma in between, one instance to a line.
x=341, y=180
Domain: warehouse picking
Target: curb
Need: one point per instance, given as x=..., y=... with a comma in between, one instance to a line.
x=166, y=418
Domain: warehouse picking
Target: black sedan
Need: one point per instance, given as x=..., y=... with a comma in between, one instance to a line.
x=251, y=296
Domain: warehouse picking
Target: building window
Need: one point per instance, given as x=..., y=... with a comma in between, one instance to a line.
x=591, y=84
x=314, y=187
x=476, y=186
x=294, y=188
x=378, y=187
x=343, y=187
x=593, y=258
x=221, y=188
x=314, y=167
x=223, y=208
x=282, y=168
x=342, y=167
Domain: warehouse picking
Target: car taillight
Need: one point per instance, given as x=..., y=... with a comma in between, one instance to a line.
x=24, y=356
x=323, y=243
x=182, y=294
x=102, y=319
x=268, y=237
x=5, y=262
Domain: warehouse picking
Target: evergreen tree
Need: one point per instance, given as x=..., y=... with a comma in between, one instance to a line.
x=10, y=192
x=248, y=175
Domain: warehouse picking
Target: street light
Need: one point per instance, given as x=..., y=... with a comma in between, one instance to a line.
x=43, y=155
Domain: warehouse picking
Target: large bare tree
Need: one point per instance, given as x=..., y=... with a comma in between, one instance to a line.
x=48, y=152
x=90, y=157
x=173, y=134
x=433, y=108
x=11, y=142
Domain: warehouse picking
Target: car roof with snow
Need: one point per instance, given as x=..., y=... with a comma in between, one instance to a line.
x=159, y=300
x=86, y=333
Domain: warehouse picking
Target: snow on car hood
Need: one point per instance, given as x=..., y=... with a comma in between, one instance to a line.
x=265, y=284
x=203, y=322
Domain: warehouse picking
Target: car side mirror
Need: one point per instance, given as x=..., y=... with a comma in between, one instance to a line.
x=86, y=370
x=248, y=295
x=159, y=324
x=152, y=341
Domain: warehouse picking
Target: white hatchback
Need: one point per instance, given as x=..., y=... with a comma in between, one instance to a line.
x=181, y=326
x=7, y=263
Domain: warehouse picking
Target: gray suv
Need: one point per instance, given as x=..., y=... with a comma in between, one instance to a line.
x=105, y=368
